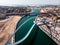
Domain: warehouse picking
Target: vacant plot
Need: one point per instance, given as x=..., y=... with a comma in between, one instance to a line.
x=8, y=29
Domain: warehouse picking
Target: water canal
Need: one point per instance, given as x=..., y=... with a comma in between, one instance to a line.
x=36, y=37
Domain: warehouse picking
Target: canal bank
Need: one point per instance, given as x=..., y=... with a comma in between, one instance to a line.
x=29, y=34
x=36, y=37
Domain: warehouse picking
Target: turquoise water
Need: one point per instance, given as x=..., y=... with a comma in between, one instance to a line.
x=35, y=13
x=36, y=37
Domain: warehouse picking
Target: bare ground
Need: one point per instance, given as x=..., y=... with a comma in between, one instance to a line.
x=9, y=29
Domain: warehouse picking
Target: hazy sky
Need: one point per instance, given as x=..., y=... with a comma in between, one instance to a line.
x=29, y=2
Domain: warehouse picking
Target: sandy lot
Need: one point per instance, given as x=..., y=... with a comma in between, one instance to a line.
x=8, y=29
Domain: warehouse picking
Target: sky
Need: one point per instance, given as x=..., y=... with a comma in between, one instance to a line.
x=29, y=2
